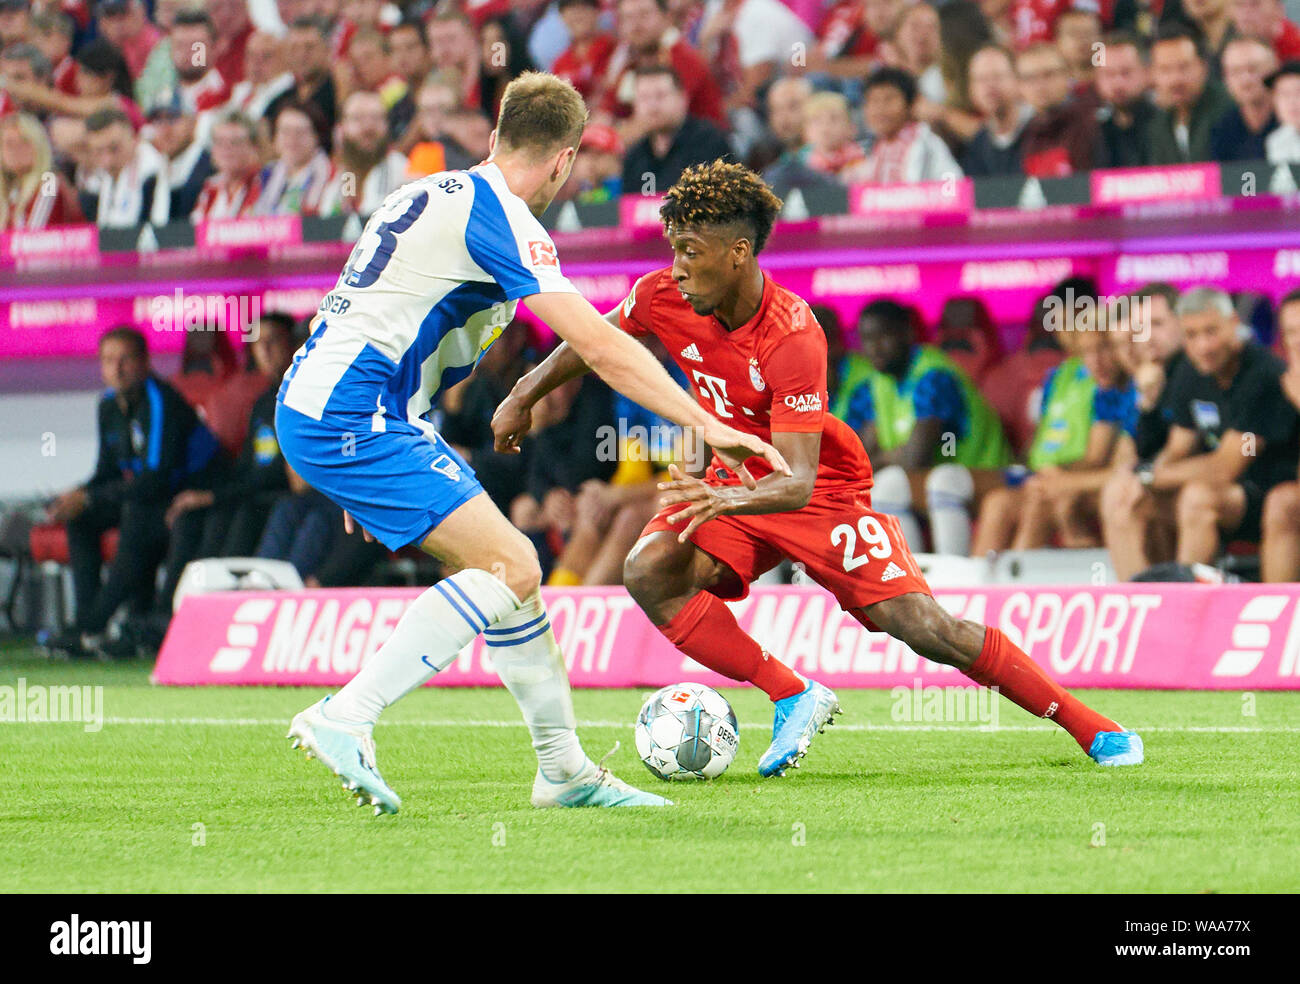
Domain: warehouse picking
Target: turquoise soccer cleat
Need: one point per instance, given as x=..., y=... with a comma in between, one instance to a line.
x=348, y=750
x=1117, y=748
x=797, y=719
x=593, y=786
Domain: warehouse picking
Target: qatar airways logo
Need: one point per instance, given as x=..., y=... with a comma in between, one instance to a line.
x=804, y=402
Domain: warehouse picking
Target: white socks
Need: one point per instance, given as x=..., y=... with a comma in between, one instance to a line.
x=438, y=625
x=950, y=490
x=528, y=660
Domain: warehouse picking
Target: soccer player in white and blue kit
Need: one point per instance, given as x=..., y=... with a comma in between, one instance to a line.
x=430, y=285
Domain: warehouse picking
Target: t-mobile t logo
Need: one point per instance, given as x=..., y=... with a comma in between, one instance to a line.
x=712, y=386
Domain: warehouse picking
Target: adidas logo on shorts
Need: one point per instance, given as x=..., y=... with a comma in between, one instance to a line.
x=891, y=572
x=692, y=352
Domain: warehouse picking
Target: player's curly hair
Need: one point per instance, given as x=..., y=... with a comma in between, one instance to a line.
x=720, y=194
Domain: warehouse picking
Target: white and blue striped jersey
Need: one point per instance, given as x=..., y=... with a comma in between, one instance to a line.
x=429, y=286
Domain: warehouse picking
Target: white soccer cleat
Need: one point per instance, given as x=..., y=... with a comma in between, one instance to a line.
x=348, y=750
x=595, y=785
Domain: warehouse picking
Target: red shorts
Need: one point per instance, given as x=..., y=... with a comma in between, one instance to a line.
x=854, y=552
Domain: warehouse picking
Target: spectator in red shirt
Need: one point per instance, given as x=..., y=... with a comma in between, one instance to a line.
x=22, y=66
x=1266, y=21
x=1061, y=138
x=233, y=28
x=52, y=32
x=1033, y=21
x=584, y=61
x=648, y=39
x=846, y=46
x=453, y=47
x=32, y=194
x=125, y=24
x=233, y=190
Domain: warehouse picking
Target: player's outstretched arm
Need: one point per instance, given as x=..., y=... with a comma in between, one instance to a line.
x=513, y=419
x=630, y=368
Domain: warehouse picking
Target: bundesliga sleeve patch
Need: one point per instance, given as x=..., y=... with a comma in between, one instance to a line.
x=542, y=253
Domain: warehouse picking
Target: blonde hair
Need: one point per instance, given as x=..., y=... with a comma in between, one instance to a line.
x=540, y=113
x=28, y=185
x=822, y=102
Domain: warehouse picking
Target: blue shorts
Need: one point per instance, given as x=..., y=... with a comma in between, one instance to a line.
x=398, y=483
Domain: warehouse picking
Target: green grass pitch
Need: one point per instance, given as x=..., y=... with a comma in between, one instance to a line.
x=196, y=790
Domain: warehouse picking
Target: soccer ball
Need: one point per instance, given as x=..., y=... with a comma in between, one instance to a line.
x=687, y=731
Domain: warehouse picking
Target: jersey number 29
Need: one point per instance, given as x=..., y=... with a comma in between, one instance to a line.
x=873, y=534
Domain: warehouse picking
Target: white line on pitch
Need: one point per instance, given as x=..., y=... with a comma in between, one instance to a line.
x=448, y=723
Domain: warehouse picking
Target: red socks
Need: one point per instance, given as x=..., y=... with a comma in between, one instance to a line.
x=707, y=632
x=1005, y=665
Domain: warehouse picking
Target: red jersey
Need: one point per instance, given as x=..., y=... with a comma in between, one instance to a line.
x=584, y=70
x=844, y=32
x=767, y=375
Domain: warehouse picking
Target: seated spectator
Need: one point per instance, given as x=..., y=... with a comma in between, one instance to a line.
x=903, y=150
x=1151, y=357
x=598, y=169
x=1061, y=138
x=647, y=39
x=129, y=184
x=1282, y=146
x=963, y=30
x=53, y=32
x=1239, y=134
x=265, y=77
x=188, y=161
x=829, y=147
x=294, y=182
x=15, y=22
x=1122, y=80
x=125, y=24
x=367, y=67
x=916, y=51
x=786, y=99
x=1266, y=21
x=1233, y=438
x=846, y=45
x=454, y=52
x=208, y=359
x=1013, y=386
x=995, y=150
x=409, y=57
x=748, y=43
x=673, y=139
x=608, y=516
x=567, y=426
x=1279, y=550
x=586, y=59
x=432, y=148
x=1088, y=409
x=1032, y=22
x=967, y=334
x=307, y=53
x=28, y=198
x=1077, y=33
x=233, y=28
x=200, y=83
x=935, y=443
x=350, y=561
x=504, y=51
x=103, y=82
x=233, y=189
x=1210, y=23
x=24, y=68
x=836, y=350
x=159, y=75
x=302, y=527
x=366, y=170
x=151, y=446
x=71, y=150
x=472, y=130
x=1188, y=101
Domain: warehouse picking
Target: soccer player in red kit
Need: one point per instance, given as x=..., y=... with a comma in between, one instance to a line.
x=756, y=358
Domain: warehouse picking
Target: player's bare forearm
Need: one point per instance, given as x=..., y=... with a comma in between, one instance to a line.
x=554, y=371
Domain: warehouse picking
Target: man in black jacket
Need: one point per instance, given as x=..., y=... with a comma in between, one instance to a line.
x=151, y=445
x=674, y=140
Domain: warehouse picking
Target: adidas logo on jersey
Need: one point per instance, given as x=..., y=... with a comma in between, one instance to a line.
x=692, y=352
x=891, y=572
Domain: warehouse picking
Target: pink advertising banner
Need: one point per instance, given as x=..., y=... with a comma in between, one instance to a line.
x=1155, y=184
x=1166, y=636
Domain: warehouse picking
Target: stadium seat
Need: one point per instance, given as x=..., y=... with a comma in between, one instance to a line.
x=1054, y=566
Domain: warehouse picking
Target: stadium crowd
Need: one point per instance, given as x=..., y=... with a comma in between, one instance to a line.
x=120, y=112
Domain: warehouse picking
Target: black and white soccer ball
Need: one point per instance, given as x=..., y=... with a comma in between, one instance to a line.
x=687, y=731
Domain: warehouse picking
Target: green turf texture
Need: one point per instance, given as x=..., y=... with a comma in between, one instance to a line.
x=870, y=811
